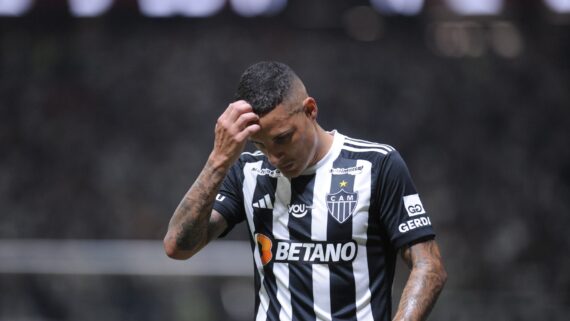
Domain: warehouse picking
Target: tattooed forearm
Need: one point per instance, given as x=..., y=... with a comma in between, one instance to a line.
x=424, y=283
x=188, y=228
x=194, y=223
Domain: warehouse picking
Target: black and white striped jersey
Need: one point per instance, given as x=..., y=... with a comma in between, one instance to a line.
x=325, y=243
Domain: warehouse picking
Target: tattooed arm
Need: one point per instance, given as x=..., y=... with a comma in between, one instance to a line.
x=425, y=282
x=194, y=223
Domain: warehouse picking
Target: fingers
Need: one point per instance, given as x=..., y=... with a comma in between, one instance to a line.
x=244, y=120
x=239, y=120
x=248, y=131
x=233, y=127
x=240, y=106
x=236, y=109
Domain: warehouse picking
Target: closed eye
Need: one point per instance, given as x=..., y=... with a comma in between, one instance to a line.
x=283, y=139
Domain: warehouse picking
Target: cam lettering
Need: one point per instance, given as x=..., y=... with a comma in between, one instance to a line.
x=414, y=224
x=317, y=252
x=220, y=198
x=341, y=198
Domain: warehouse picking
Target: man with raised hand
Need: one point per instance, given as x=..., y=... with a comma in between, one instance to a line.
x=326, y=213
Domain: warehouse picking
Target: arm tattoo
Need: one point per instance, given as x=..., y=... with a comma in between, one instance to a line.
x=189, y=223
x=424, y=283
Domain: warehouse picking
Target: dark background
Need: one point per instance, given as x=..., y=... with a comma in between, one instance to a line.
x=105, y=122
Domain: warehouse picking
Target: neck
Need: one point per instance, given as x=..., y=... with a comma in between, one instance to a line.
x=323, y=145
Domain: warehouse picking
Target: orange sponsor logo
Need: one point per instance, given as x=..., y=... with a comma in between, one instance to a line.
x=264, y=245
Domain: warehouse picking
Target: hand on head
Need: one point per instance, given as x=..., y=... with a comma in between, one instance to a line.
x=233, y=128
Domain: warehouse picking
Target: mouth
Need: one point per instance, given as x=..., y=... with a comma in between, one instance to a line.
x=286, y=166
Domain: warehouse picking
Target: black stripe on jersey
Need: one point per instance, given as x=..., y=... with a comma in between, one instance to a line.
x=263, y=223
x=300, y=275
x=256, y=276
x=342, y=284
x=381, y=255
x=381, y=266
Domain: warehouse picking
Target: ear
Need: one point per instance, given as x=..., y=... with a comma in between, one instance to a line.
x=311, y=108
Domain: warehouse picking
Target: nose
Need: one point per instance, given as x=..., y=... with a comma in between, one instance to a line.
x=275, y=157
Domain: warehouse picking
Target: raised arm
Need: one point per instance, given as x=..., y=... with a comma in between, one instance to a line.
x=194, y=223
x=425, y=282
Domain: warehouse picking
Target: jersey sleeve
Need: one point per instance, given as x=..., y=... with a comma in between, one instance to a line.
x=401, y=210
x=229, y=201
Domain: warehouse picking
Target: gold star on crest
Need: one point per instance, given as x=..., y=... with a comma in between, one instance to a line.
x=343, y=183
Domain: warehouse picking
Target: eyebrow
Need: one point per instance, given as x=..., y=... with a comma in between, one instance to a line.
x=278, y=136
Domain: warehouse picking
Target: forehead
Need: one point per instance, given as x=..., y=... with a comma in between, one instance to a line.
x=276, y=122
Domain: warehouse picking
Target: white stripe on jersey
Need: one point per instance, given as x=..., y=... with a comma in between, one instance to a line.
x=263, y=300
x=321, y=272
x=362, y=150
x=360, y=142
x=249, y=183
x=280, y=231
x=359, y=234
x=256, y=153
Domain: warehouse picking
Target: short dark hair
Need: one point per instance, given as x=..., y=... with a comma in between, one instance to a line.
x=265, y=85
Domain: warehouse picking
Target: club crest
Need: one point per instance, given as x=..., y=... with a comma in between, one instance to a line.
x=341, y=204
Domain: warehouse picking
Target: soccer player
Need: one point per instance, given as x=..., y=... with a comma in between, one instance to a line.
x=327, y=214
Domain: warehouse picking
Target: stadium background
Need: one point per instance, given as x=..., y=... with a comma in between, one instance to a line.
x=107, y=112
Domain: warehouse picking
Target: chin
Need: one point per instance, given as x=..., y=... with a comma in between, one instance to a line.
x=292, y=173
x=289, y=173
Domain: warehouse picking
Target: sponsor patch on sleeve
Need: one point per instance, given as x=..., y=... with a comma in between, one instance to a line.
x=414, y=205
